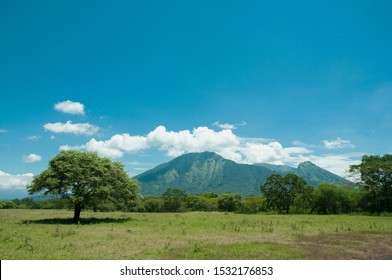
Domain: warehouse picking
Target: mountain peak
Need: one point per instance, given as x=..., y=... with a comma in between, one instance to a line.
x=307, y=163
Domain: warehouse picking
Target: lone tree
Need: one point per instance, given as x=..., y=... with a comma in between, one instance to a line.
x=376, y=179
x=86, y=179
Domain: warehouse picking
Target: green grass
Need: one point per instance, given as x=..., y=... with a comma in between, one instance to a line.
x=50, y=234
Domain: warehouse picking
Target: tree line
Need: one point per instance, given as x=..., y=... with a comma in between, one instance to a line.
x=325, y=199
x=83, y=180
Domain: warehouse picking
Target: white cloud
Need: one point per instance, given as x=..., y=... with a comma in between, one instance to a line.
x=223, y=142
x=3, y=131
x=337, y=164
x=8, y=181
x=33, y=138
x=224, y=125
x=114, y=147
x=228, y=125
x=69, y=127
x=31, y=158
x=70, y=107
x=199, y=140
x=337, y=144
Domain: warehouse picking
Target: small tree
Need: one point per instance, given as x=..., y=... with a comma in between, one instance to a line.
x=303, y=202
x=280, y=191
x=229, y=202
x=252, y=204
x=197, y=202
x=173, y=199
x=329, y=199
x=86, y=179
x=153, y=204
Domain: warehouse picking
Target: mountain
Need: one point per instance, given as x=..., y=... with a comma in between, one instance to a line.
x=313, y=174
x=209, y=172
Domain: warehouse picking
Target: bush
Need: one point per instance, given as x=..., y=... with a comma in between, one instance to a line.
x=153, y=204
x=198, y=203
x=229, y=202
x=330, y=199
x=173, y=200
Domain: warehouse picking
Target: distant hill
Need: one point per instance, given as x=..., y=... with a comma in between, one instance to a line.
x=209, y=172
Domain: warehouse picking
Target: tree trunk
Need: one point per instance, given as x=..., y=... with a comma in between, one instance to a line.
x=78, y=209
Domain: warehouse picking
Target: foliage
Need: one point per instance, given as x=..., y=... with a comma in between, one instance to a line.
x=280, y=191
x=252, y=204
x=87, y=180
x=376, y=178
x=329, y=199
x=303, y=202
x=153, y=204
x=229, y=202
x=173, y=199
x=200, y=203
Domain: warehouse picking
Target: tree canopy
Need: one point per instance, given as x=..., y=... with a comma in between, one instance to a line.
x=173, y=199
x=86, y=179
x=280, y=191
x=376, y=179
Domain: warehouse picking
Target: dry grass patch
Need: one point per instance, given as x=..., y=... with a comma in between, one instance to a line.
x=353, y=245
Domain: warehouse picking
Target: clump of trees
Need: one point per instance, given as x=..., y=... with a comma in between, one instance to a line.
x=289, y=194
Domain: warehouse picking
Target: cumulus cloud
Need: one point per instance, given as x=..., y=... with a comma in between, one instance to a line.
x=115, y=147
x=69, y=127
x=200, y=139
x=337, y=144
x=174, y=143
x=8, y=181
x=70, y=107
x=31, y=158
x=223, y=142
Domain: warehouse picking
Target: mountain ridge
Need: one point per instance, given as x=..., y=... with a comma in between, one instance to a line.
x=209, y=172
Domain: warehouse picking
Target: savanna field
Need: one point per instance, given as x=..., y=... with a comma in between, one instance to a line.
x=50, y=234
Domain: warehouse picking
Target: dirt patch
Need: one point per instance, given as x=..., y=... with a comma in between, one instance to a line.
x=347, y=246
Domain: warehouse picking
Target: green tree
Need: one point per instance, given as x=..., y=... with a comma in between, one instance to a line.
x=303, y=202
x=173, y=199
x=252, y=204
x=376, y=180
x=153, y=204
x=197, y=202
x=329, y=199
x=229, y=202
x=280, y=191
x=86, y=179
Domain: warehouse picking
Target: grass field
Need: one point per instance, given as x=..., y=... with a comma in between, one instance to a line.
x=50, y=234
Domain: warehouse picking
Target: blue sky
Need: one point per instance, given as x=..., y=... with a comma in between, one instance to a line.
x=145, y=81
